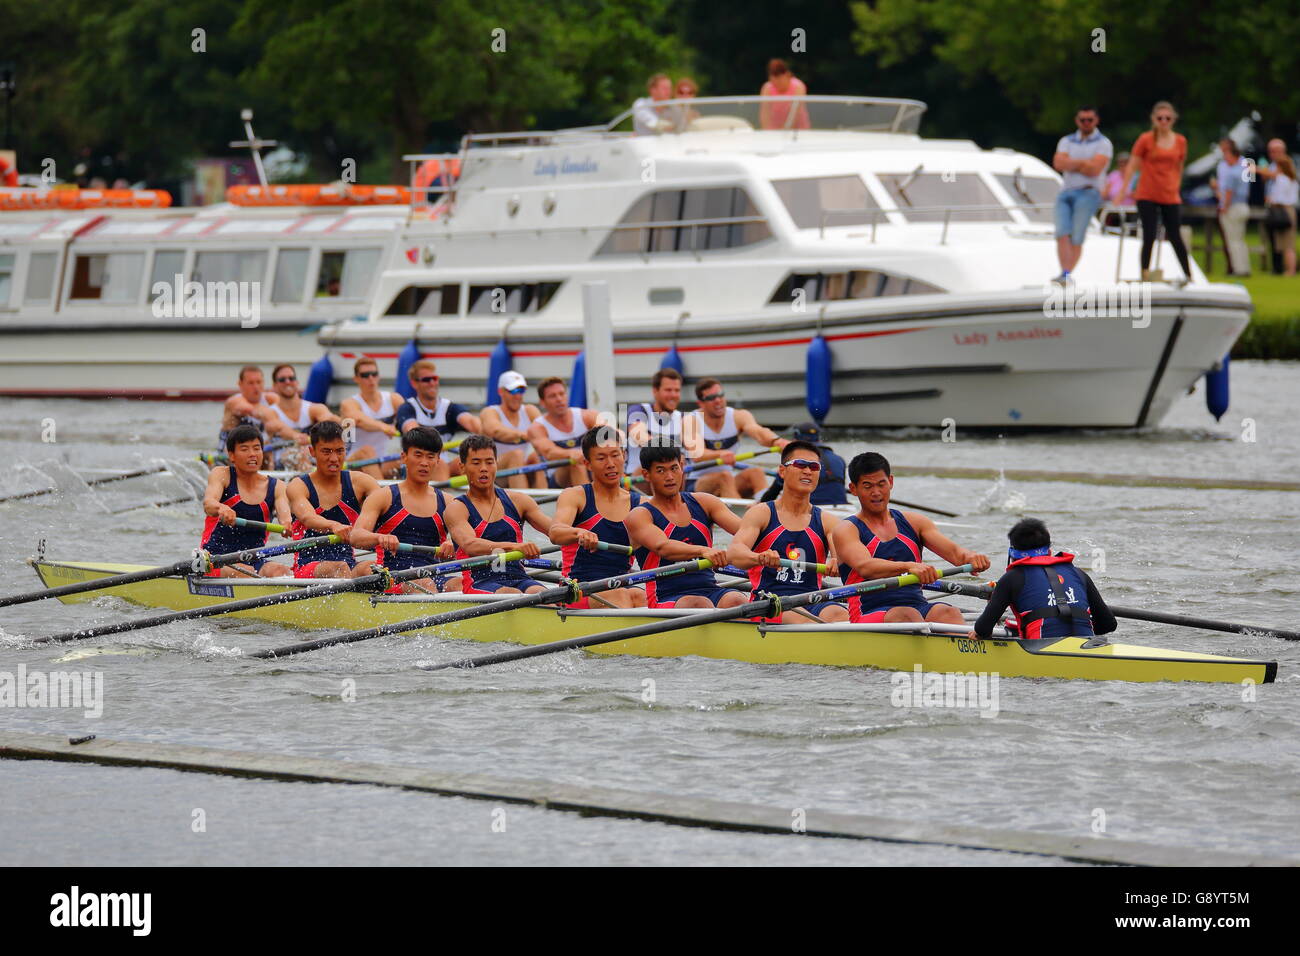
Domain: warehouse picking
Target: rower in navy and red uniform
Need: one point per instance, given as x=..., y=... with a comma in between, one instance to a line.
x=409, y=512
x=328, y=501
x=488, y=520
x=235, y=491
x=1049, y=596
x=672, y=525
x=790, y=527
x=881, y=542
x=595, y=512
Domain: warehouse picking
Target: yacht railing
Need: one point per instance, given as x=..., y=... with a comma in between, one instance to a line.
x=875, y=212
x=790, y=113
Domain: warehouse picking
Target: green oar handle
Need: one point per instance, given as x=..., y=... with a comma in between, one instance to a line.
x=284, y=597
x=1141, y=614
x=760, y=608
x=551, y=595
x=261, y=526
x=461, y=481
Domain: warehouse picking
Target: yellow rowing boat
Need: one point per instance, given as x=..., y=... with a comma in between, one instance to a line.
x=936, y=648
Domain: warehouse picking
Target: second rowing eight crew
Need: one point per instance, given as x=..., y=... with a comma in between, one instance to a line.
x=785, y=546
x=522, y=434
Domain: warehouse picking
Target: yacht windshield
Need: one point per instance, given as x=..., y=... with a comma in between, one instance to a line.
x=826, y=201
x=936, y=196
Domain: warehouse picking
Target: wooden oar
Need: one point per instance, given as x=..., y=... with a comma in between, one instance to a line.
x=383, y=581
x=569, y=592
x=767, y=607
x=461, y=481
x=23, y=496
x=199, y=563
x=1138, y=614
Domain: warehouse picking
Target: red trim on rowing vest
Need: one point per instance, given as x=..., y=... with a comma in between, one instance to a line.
x=1063, y=557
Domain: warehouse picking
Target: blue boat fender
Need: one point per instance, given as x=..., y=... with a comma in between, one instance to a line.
x=405, y=359
x=818, y=378
x=319, y=380
x=499, y=361
x=578, y=382
x=1216, y=389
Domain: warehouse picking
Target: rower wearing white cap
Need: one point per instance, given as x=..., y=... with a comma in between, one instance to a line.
x=507, y=424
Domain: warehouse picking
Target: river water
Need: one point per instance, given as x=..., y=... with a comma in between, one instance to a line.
x=1193, y=765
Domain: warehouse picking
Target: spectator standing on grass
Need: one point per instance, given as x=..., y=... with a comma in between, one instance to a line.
x=1081, y=159
x=1159, y=155
x=1232, y=188
x=1281, y=194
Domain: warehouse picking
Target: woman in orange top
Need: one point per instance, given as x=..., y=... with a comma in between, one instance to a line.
x=1159, y=155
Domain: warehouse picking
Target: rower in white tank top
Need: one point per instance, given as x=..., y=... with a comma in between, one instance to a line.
x=724, y=439
x=664, y=428
x=569, y=438
x=519, y=424
x=303, y=421
x=365, y=436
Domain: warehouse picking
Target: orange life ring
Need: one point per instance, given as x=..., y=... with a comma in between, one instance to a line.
x=429, y=172
x=8, y=174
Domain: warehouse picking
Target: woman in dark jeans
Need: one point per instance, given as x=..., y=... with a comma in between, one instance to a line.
x=1159, y=155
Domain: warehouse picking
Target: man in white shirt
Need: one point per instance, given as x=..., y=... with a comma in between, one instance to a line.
x=646, y=117
x=1081, y=159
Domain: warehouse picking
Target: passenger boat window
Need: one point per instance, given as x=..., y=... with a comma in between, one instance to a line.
x=108, y=277
x=674, y=296
x=40, y=277
x=6, y=278
x=930, y=197
x=290, y=275
x=856, y=284
x=826, y=201
x=167, y=265
x=677, y=220
x=1026, y=191
x=346, y=274
x=519, y=299
x=426, y=300
x=230, y=267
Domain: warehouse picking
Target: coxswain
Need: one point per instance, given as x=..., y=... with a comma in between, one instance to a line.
x=296, y=415
x=426, y=407
x=830, y=490
x=593, y=513
x=673, y=525
x=717, y=428
x=329, y=501
x=409, y=512
x=1049, y=596
x=239, y=490
x=490, y=520
x=880, y=542
x=507, y=423
x=793, y=528
x=657, y=422
x=373, y=413
x=557, y=432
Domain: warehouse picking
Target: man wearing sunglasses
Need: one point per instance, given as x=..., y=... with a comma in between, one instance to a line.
x=507, y=424
x=429, y=409
x=882, y=542
x=718, y=428
x=374, y=413
x=296, y=416
x=790, y=527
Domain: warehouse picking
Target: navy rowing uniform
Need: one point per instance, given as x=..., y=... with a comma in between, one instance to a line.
x=905, y=547
x=346, y=512
x=410, y=529
x=583, y=565
x=810, y=545
x=508, y=529
x=220, y=538
x=1050, y=598
x=664, y=592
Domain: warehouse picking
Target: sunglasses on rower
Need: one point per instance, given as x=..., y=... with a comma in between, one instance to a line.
x=714, y=397
x=286, y=378
x=373, y=373
x=428, y=378
x=805, y=464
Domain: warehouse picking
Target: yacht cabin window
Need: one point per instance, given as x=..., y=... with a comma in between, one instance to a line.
x=6, y=278
x=519, y=299
x=230, y=267
x=290, y=275
x=684, y=220
x=425, y=301
x=167, y=265
x=40, y=277
x=826, y=201
x=928, y=197
x=1026, y=191
x=857, y=284
x=346, y=274
x=108, y=277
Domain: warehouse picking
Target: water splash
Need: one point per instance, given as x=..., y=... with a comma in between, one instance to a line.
x=1001, y=498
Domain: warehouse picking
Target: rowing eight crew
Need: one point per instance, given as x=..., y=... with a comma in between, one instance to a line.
x=783, y=544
